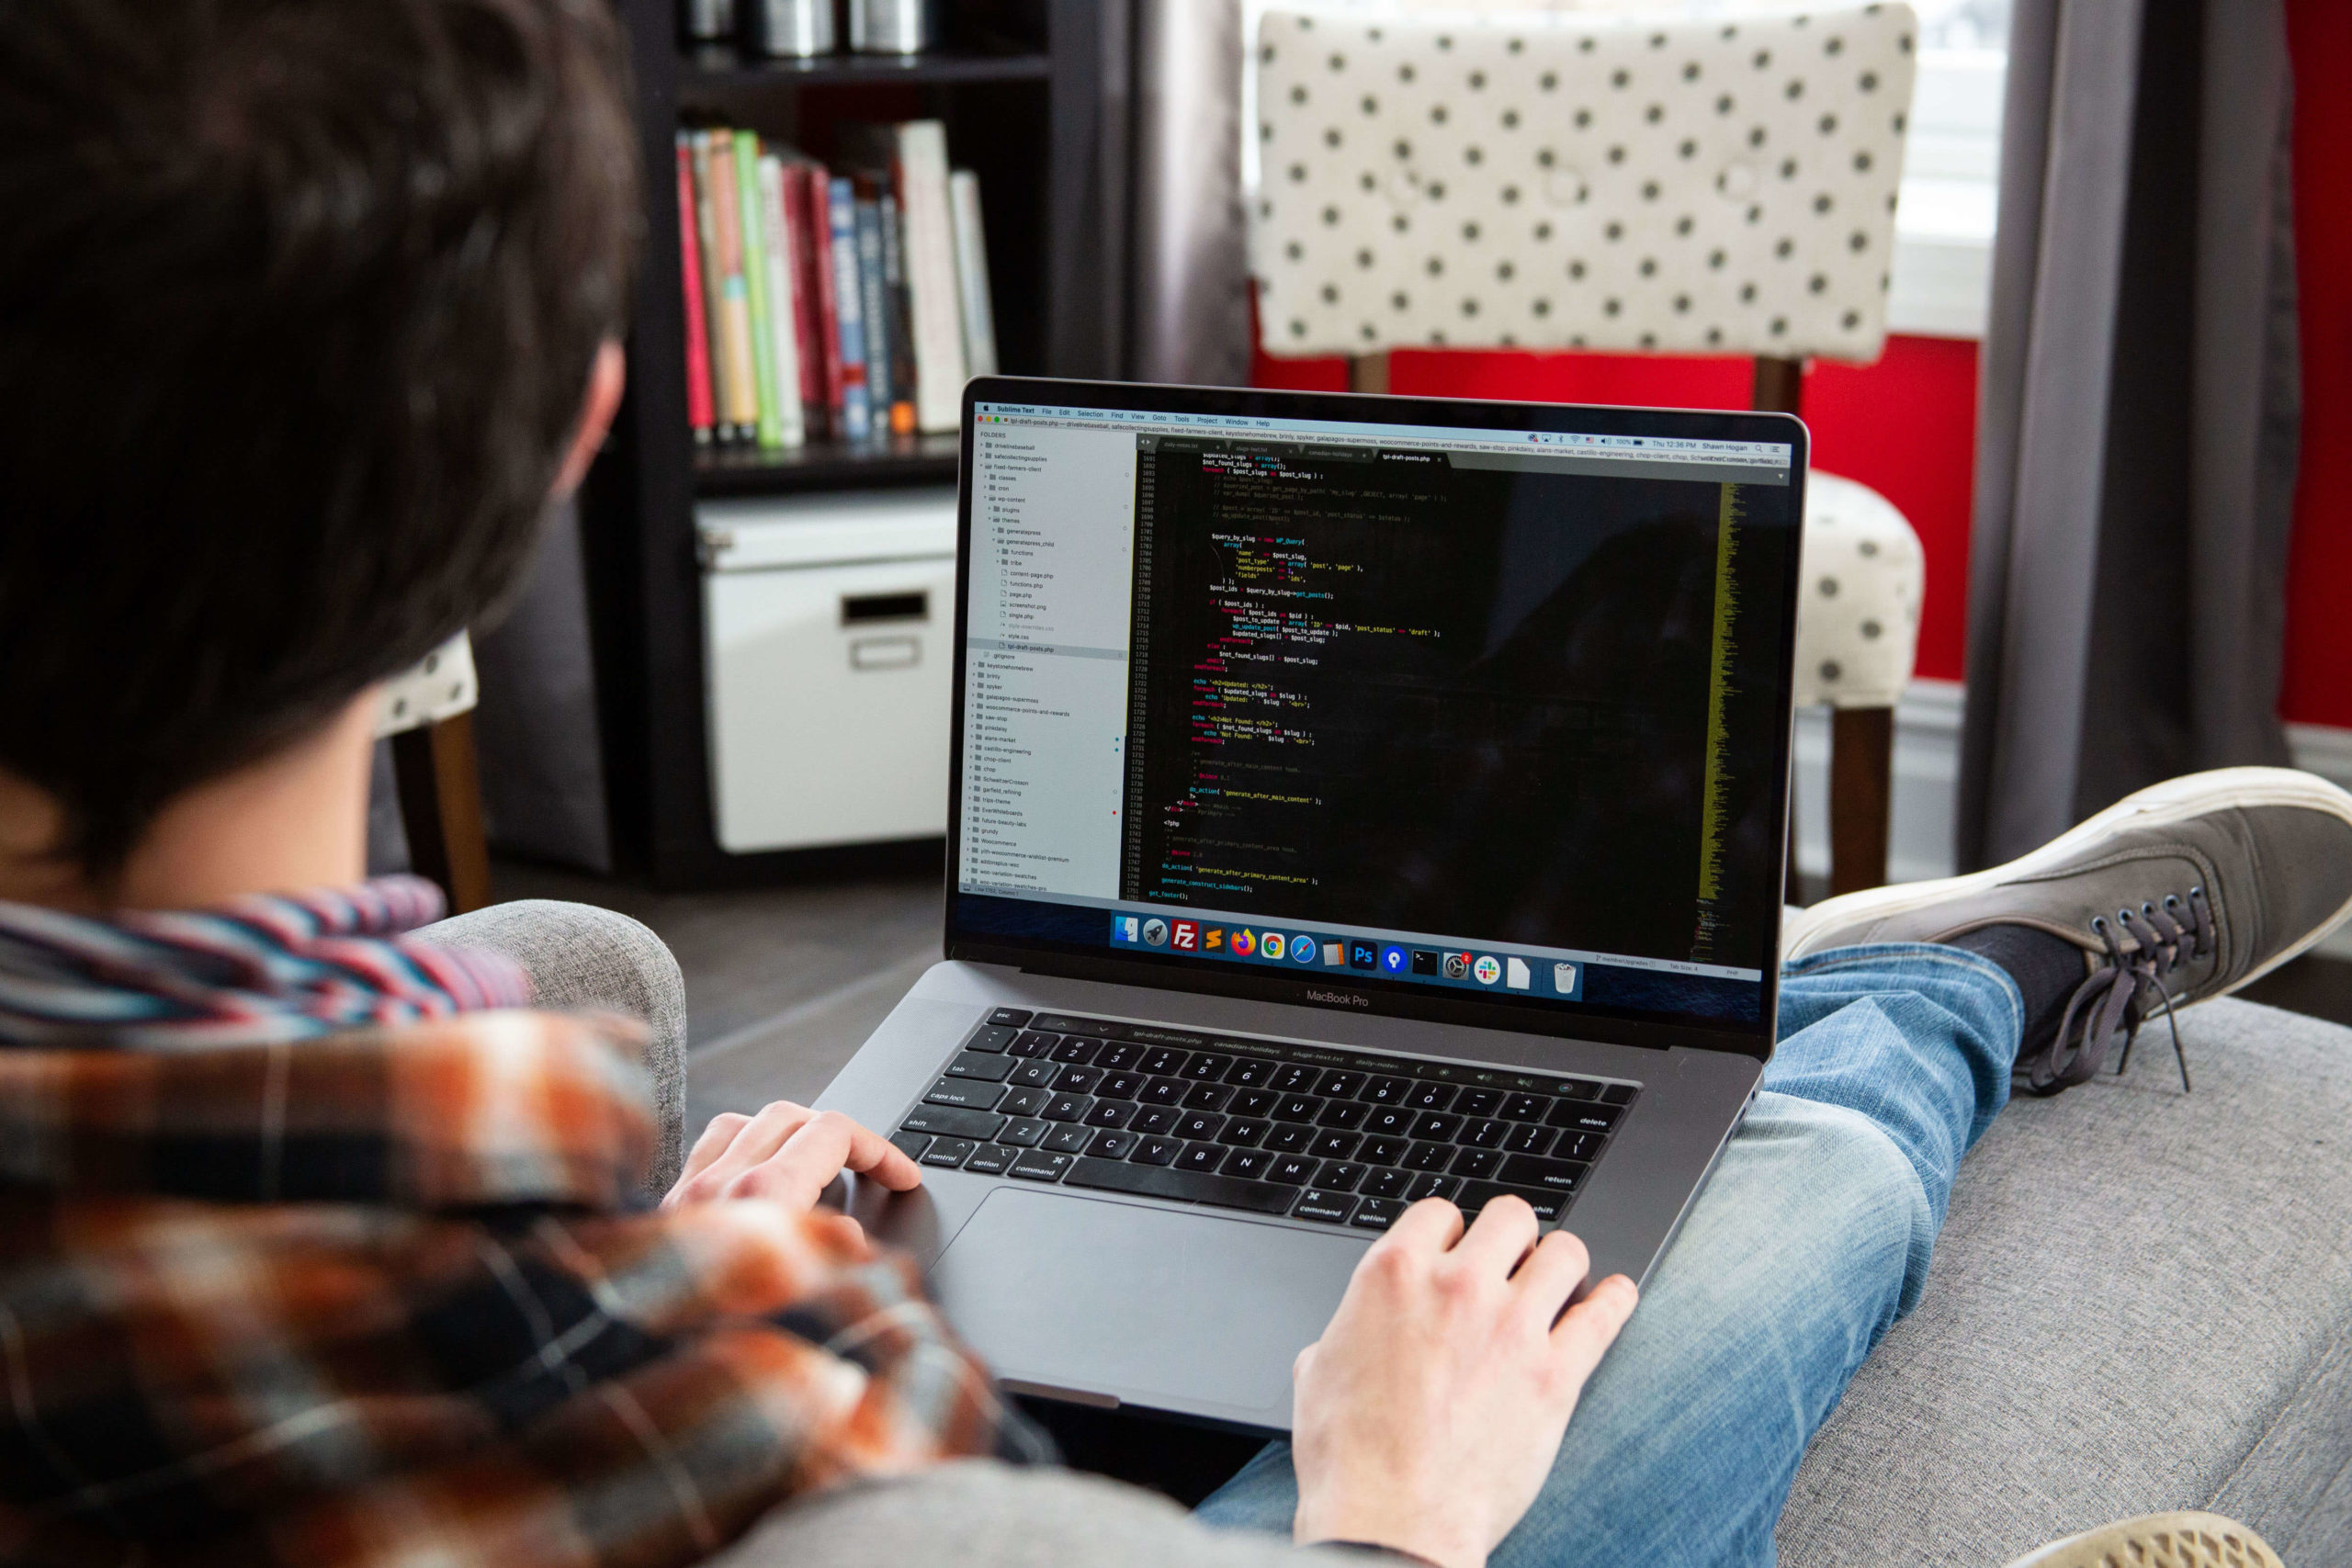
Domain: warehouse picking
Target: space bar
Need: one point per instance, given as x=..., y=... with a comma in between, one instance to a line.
x=1160, y=1181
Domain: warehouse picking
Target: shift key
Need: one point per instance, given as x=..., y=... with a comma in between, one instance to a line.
x=949, y=1123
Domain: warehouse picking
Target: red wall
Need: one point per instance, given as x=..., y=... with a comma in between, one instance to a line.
x=1906, y=425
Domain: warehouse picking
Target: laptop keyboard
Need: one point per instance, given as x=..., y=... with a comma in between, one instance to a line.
x=1337, y=1137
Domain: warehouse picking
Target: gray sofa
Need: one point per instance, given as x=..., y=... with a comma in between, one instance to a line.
x=2141, y=1300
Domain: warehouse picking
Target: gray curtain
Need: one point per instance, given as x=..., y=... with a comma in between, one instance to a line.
x=2139, y=414
x=535, y=731
x=536, y=736
x=1190, y=295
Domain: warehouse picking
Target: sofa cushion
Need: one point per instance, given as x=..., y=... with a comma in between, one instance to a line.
x=2141, y=1299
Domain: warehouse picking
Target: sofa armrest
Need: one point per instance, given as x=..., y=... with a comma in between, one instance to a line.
x=579, y=956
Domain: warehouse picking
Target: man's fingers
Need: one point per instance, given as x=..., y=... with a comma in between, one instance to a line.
x=872, y=1155
x=1430, y=1225
x=1550, y=1274
x=1499, y=1236
x=820, y=1150
x=1591, y=1326
x=768, y=1132
x=753, y=1142
x=713, y=1143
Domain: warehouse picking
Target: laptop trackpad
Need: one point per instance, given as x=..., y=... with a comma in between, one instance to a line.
x=1151, y=1304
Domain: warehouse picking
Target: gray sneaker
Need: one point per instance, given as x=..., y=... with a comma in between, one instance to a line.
x=2188, y=1538
x=2187, y=890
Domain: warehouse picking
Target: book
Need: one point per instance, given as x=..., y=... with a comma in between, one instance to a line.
x=715, y=349
x=825, y=305
x=739, y=394
x=699, y=414
x=873, y=300
x=776, y=255
x=894, y=295
x=815, y=197
x=972, y=273
x=807, y=296
x=841, y=208
x=767, y=413
x=935, y=308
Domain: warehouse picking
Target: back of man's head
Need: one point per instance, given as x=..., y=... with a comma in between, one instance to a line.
x=298, y=302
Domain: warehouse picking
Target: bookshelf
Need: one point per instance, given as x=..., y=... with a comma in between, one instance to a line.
x=1033, y=94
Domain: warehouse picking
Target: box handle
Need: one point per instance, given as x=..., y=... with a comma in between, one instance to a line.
x=863, y=609
x=884, y=653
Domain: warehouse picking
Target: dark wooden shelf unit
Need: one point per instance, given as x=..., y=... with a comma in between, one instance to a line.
x=829, y=465
x=1033, y=94
x=722, y=65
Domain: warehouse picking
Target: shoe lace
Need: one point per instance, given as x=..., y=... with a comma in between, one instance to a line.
x=2117, y=995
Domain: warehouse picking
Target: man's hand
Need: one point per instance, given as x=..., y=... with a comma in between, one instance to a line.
x=788, y=1152
x=1426, y=1416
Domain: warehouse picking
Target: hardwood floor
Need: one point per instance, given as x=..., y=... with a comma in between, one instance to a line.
x=783, y=983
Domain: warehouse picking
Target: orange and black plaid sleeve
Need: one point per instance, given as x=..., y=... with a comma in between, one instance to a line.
x=373, y=1300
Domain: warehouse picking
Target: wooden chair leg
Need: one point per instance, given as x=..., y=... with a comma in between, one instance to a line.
x=1861, y=790
x=1368, y=373
x=1779, y=386
x=441, y=808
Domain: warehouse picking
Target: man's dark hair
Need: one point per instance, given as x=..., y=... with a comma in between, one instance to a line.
x=298, y=300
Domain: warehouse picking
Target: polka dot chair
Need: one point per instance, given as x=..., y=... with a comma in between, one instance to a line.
x=427, y=713
x=1569, y=182
x=1858, y=635
x=1693, y=189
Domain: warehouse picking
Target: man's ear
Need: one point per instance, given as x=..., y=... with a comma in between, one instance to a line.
x=606, y=379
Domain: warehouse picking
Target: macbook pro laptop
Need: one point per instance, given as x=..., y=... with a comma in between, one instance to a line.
x=1354, y=799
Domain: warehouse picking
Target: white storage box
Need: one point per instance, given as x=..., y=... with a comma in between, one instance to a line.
x=830, y=622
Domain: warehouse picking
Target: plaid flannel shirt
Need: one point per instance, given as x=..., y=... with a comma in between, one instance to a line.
x=377, y=1297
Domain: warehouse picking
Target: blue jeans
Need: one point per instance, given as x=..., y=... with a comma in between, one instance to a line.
x=1811, y=1239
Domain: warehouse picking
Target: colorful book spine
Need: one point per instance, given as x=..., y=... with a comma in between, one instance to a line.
x=972, y=274
x=849, y=309
x=776, y=255
x=807, y=293
x=894, y=294
x=699, y=407
x=934, y=325
x=874, y=303
x=714, y=286
x=739, y=383
x=768, y=413
x=819, y=188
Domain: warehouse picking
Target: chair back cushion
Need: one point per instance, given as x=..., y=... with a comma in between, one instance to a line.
x=440, y=686
x=1858, y=615
x=1719, y=188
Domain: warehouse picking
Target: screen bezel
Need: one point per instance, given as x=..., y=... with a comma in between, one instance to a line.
x=1371, y=994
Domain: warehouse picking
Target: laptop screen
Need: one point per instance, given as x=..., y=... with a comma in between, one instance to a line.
x=1398, y=710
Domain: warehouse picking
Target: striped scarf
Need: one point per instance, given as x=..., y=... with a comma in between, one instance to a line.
x=255, y=971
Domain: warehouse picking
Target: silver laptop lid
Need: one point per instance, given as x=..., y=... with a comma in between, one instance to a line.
x=1463, y=710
